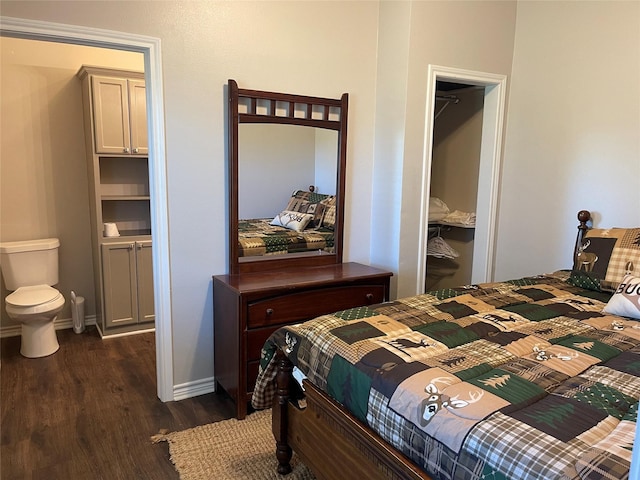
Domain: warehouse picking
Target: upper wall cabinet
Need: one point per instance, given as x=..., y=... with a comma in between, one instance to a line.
x=119, y=110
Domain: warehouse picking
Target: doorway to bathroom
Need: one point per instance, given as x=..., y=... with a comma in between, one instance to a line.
x=148, y=49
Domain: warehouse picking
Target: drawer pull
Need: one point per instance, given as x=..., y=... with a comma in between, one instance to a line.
x=369, y=297
x=269, y=312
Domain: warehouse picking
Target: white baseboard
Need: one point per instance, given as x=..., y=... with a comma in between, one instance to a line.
x=195, y=388
x=60, y=324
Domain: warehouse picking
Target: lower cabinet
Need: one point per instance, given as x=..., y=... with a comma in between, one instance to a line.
x=248, y=307
x=127, y=273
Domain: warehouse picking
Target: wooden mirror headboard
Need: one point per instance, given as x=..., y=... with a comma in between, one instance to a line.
x=279, y=144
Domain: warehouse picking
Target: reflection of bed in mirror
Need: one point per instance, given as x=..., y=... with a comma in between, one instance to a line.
x=279, y=143
x=304, y=224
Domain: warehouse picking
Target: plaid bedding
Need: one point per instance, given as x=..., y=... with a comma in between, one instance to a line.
x=257, y=237
x=525, y=379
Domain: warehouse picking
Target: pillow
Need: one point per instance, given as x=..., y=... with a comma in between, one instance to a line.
x=329, y=217
x=309, y=202
x=292, y=220
x=608, y=254
x=626, y=301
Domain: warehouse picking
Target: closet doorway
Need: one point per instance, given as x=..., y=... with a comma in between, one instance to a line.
x=463, y=134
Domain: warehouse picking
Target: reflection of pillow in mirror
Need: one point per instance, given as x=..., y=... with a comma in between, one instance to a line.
x=309, y=202
x=329, y=218
x=292, y=220
x=626, y=301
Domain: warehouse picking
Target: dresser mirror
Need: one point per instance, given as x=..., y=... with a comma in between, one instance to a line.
x=287, y=158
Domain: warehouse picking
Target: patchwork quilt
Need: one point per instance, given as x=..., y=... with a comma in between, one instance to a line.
x=526, y=379
x=258, y=237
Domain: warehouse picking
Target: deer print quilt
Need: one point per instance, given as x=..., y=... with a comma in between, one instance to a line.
x=520, y=379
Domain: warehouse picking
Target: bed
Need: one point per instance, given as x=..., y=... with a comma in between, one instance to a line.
x=305, y=225
x=537, y=377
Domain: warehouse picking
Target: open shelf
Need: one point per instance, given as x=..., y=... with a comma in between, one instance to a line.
x=124, y=176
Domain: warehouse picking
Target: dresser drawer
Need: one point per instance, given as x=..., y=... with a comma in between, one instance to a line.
x=300, y=306
x=255, y=341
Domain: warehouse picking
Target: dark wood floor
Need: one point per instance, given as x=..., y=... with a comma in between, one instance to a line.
x=89, y=410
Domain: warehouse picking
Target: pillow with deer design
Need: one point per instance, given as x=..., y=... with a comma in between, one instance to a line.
x=606, y=255
x=626, y=301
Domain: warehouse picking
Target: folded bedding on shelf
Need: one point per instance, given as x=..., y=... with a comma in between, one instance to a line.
x=457, y=217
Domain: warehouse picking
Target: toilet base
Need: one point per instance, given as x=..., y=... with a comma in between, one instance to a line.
x=39, y=339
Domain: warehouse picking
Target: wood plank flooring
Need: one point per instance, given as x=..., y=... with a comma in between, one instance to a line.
x=89, y=410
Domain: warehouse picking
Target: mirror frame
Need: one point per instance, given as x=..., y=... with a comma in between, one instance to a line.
x=319, y=113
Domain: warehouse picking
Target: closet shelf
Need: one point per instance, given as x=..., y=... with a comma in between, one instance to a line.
x=124, y=197
x=448, y=224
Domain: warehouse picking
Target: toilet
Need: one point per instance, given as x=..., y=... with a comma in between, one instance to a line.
x=30, y=269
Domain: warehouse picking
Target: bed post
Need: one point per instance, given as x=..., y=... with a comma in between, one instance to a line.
x=583, y=217
x=279, y=421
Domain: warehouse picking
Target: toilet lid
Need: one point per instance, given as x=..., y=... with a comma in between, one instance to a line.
x=29, y=296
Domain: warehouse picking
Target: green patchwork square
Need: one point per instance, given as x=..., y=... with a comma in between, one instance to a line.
x=356, y=313
x=512, y=388
x=449, y=333
x=445, y=293
x=590, y=346
x=356, y=331
x=349, y=386
x=531, y=311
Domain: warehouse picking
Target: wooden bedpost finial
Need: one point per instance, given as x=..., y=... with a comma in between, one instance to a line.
x=584, y=216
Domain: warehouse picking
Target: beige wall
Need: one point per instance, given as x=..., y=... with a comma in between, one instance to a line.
x=471, y=35
x=572, y=138
x=43, y=168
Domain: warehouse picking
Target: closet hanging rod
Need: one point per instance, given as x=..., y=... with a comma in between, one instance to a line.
x=448, y=98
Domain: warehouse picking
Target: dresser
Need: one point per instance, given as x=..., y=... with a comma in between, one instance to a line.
x=248, y=307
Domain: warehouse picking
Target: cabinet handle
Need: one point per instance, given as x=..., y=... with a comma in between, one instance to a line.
x=369, y=297
x=131, y=246
x=125, y=150
x=135, y=150
x=269, y=312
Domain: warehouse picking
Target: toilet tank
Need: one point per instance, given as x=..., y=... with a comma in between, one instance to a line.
x=29, y=262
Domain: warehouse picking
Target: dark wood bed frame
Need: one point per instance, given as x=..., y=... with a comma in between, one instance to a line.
x=330, y=440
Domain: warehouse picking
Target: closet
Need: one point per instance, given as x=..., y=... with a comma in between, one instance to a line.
x=454, y=184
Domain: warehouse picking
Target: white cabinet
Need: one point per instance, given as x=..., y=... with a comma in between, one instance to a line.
x=118, y=170
x=128, y=283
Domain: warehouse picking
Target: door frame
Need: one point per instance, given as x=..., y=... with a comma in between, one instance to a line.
x=495, y=86
x=150, y=48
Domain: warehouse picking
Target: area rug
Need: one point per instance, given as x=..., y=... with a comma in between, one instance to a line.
x=230, y=449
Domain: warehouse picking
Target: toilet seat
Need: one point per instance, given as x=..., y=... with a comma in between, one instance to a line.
x=35, y=299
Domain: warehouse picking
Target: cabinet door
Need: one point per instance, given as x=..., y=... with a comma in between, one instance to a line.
x=119, y=280
x=144, y=267
x=138, y=116
x=111, y=115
